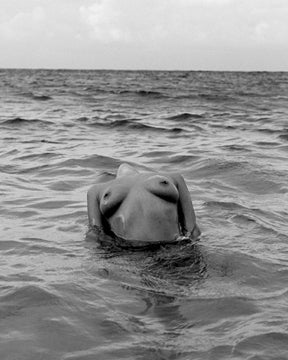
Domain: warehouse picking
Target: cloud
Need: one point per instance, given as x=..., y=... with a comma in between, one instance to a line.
x=144, y=33
x=23, y=25
x=147, y=21
x=123, y=20
x=226, y=22
x=204, y=3
x=270, y=26
x=103, y=22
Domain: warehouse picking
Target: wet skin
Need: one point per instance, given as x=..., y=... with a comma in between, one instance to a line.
x=142, y=207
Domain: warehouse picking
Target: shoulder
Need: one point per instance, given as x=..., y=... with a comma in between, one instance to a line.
x=101, y=182
x=93, y=195
x=96, y=191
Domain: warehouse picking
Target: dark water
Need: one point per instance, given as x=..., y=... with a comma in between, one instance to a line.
x=63, y=296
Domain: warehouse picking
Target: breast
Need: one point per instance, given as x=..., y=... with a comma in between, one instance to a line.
x=112, y=199
x=162, y=187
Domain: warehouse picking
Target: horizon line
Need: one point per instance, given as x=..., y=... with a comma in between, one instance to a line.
x=138, y=70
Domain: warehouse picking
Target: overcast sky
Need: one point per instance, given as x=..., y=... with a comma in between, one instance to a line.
x=145, y=34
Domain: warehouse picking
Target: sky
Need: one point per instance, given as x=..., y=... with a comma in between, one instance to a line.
x=145, y=34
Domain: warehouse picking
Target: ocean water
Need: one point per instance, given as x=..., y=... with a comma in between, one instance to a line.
x=65, y=296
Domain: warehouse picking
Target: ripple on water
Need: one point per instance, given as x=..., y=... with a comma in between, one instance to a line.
x=270, y=345
x=65, y=296
x=27, y=296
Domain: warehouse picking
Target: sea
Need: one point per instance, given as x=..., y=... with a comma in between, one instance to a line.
x=64, y=295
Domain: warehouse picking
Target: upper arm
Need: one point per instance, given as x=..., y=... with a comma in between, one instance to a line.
x=186, y=214
x=93, y=205
x=93, y=198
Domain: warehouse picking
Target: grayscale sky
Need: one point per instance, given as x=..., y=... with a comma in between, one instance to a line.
x=145, y=34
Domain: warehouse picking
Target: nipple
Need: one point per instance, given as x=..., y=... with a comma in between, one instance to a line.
x=106, y=197
x=164, y=182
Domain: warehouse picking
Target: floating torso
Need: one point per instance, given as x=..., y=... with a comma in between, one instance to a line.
x=143, y=207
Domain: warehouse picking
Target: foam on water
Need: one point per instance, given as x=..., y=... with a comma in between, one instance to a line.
x=63, y=295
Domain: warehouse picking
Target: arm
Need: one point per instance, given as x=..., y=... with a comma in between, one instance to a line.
x=93, y=199
x=93, y=206
x=186, y=214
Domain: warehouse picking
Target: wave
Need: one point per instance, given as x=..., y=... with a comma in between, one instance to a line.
x=216, y=97
x=269, y=131
x=219, y=167
x=48, y=141
x=142, y=93
x=270, y=345
x=267, y=143
x=94, y=161
x=227, y=205
x=91, y=90
x=134, y=125
x=178, y=159
x=82, y=119
x=38, y=156
x=156, y=153
x=235, y=147
x=185, y=116
x=37, y=97
x=251, y=94
x=41, y=97
x=28, y=296
x=21, y=121
x=284, y=136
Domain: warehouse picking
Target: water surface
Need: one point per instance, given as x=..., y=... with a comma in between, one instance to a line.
x=63, y=295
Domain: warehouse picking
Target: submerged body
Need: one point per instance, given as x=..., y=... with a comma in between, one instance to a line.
x=142, y=206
